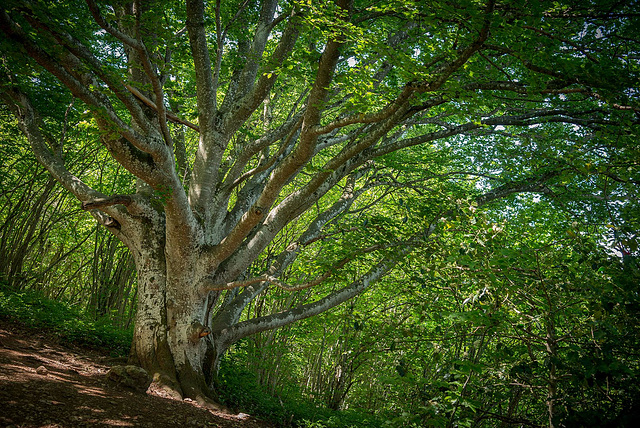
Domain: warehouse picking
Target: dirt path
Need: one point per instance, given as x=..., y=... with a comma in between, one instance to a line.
x=44, y=384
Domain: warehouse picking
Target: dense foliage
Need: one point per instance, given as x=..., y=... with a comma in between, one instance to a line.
x=442, y=195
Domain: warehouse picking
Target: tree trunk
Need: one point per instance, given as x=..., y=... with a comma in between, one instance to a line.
x=150, y=348
x=170, y=336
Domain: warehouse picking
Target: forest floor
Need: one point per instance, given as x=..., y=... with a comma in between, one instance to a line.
x=46, y=384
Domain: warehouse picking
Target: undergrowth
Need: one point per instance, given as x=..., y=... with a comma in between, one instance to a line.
x=240, y=388
x=60, y=319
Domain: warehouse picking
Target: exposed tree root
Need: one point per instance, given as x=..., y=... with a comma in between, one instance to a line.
x=169, y=385
x=194, y=387
x=213, y=405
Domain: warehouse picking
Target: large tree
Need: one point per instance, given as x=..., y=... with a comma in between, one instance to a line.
x=298, y=108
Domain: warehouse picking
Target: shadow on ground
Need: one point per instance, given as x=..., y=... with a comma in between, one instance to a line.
x=44, y=384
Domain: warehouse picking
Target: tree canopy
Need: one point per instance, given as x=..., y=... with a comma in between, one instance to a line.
x=311, y=149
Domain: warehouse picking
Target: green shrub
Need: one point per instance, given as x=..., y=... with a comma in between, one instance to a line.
x=34, y=310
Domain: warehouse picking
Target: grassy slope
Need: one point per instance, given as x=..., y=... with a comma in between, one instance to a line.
x=62, y=320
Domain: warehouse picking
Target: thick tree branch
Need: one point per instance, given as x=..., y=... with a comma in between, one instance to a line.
x=99, y=103
x=170, y=115
x=300, y=155
x=73, y=65
x=269, y=163
x=269, y=322
x=250, y=102
x=101, y=203
x=237, y=263
x=244, y=80
x=30, y=124
x=206, y=91
x=301, y=199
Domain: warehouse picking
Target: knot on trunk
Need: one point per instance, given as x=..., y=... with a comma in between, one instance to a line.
x=112, y=222
x=197, y=331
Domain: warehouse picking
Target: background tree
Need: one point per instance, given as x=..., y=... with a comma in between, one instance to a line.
x=46, y=245
x=308, y=117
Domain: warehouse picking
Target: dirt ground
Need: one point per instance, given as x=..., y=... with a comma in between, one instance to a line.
x=45, y=384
